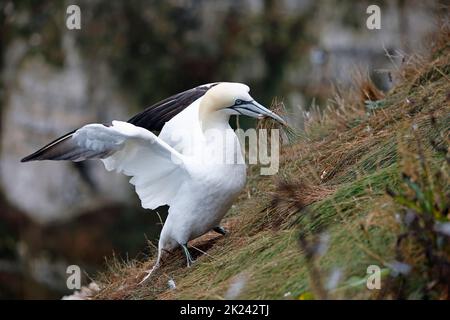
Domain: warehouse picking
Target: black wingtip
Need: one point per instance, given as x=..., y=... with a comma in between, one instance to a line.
x=35, y=155
x=42, y=154
x=29, y=158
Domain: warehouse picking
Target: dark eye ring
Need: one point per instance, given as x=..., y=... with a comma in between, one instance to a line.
x=238, y=101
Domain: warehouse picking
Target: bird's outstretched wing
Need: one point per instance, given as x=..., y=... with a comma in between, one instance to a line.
x=125, y=148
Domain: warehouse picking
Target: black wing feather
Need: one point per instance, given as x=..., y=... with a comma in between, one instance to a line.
x=154, y=117
x=64, y=148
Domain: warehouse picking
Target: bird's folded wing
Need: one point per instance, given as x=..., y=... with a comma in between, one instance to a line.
x=157, y=170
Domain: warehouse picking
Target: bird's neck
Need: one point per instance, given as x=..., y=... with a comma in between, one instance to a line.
x=216, y=120
x=220, y=140
x=210, y=117
x=218, y=137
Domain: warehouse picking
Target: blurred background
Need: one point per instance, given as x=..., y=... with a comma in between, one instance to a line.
x=127, y=56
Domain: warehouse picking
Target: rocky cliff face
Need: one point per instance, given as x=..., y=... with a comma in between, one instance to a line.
x=43, y=102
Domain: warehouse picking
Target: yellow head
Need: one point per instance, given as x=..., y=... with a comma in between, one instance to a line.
x=232, y=98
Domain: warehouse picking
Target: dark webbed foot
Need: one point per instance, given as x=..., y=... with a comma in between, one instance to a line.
x=189, y=259
x=220, y=230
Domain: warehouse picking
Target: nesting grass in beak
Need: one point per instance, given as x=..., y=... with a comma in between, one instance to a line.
x=288, y=134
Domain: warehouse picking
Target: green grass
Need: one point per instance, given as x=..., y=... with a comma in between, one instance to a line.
x=351, y=199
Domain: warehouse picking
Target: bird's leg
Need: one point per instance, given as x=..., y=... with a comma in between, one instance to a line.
x=220, y=230
x=189, y=259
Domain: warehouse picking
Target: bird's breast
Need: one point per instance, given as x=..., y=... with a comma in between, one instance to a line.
x=203, y=201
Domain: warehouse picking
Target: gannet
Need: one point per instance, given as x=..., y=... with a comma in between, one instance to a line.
x=178, y=167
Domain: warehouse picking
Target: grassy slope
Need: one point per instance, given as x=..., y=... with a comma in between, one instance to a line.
x=331, y=180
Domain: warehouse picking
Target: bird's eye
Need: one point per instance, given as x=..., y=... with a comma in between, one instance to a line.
x=238, y=101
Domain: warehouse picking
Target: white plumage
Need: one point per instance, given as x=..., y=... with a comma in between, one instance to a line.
x=187, y=166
